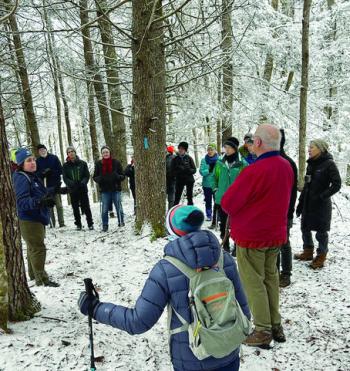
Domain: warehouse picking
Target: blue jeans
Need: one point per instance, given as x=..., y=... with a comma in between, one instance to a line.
x=107, y=198
x=321, y=237
x=208, y=199
x=234, y=366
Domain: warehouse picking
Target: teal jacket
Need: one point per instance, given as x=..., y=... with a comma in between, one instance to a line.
x=225, y=174
x=208, y=177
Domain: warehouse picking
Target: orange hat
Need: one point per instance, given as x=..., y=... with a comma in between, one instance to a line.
x=170, y=149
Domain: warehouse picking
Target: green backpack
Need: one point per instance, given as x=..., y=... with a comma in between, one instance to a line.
x=219, y=325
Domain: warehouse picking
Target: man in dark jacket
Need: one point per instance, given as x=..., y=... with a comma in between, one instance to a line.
x=285, y=256
x=109, y=175
x=49, y=169
x=183, y=168
x=168, y=285
x=322, y=180
x=130, y=173
x=76, y=176
x=170, y=179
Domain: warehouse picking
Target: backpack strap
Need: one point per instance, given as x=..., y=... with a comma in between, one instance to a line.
x=182, y=267
x=26, y=175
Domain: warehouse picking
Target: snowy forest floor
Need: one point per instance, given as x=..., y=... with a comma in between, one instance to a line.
x=315, y=308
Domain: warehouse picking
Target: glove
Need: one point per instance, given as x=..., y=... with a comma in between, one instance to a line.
x=46, y=172
x=47, y=201
x=298, y=211
x=88, y=304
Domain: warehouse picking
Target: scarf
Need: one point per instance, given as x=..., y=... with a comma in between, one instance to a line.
x=231, y=158
x=106, y=165
x=211, y=161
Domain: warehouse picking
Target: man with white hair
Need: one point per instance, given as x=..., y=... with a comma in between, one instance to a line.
x=257, y=203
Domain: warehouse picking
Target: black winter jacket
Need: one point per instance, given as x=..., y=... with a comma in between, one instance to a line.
x=183, y=168
x=76, y=175
x=322, y=180
x=130, y=173
x=109, y=182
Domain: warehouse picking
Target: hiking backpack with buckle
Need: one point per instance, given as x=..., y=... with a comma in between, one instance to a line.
x=219, y=325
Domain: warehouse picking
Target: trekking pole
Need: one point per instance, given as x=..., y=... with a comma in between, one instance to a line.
x=90, y=290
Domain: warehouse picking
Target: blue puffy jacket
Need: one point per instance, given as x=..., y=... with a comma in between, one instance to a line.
x=54, y=164
x=166, y=284
x=29, y=191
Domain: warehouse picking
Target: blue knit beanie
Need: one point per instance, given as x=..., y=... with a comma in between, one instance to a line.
x=22, y=154
x=183, y=219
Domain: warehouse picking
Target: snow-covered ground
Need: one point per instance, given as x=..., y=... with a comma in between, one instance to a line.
x=315, y=308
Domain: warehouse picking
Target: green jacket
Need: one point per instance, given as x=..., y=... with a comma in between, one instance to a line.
x=208, y=177
x=225, y=175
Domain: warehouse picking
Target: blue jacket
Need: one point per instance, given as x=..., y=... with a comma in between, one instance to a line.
x=50, y=162
x=29, y=191
x=166, y=284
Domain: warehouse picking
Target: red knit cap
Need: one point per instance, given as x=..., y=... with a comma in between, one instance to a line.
x=170, y=149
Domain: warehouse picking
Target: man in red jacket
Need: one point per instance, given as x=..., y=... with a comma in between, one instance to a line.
x=257, y=203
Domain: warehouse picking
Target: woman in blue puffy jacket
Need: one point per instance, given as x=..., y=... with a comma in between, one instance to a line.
x=167, y=285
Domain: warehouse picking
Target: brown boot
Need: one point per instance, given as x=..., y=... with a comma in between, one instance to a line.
x=278, y=334
x=318, y=262
x=260, y=339
x=307, y=254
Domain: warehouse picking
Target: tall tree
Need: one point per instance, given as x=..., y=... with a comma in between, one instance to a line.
x=94, y=75
x=304, y=90
x=115, y=98
x=227, y=69
x=23, y=74
x=22, y=304
x=148, y=113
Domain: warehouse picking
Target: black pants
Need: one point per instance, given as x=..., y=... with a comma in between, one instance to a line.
x=170, y=191
x=179, y=187
x=284, y=258
x=81, y=199
x=223, y=220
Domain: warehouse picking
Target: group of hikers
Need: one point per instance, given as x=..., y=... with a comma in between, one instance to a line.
x=250, y=191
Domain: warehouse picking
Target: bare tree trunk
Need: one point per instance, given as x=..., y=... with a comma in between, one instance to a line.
x=4, y=298
x=303, y=91
x=94, y=75
x=148, y=114
x=21, y=303
x=227, y=71
x=195, y=146
x=115, y=98
x=289, y=81
x=92, y=122
x=23, y=74
x=218, y=120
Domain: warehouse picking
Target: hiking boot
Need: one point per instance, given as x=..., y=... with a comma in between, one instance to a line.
x=284, y=280
x=79, y=228
x=105, y=228
x=278, y=334
x=212, y=226
x=121, y=225
x=260, y=339
x=61, y=225
x=318, y=262
x=307, y=254
x=50, y=283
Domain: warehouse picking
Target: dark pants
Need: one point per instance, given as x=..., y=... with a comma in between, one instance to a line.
x=81, y=199
x=234, y=366
x=179, y=187
x=170, y=191
x=284, y=258
x=321, y=237
x=223, y=220
x=208, y=199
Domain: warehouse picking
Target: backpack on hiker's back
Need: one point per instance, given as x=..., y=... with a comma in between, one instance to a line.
x=219, y=325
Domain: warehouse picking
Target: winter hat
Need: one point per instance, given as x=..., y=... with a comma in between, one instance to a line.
x=183, y=219
x=232, y=142
x=40, y=146
x=320, y=144
x=183, y=145
x=170, y=149
x=211, y=145
x=248, y=136
x=70, y=148
x=105, y=147
x=22, y=154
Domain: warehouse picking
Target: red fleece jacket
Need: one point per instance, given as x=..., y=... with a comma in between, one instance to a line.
x=257, y=202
